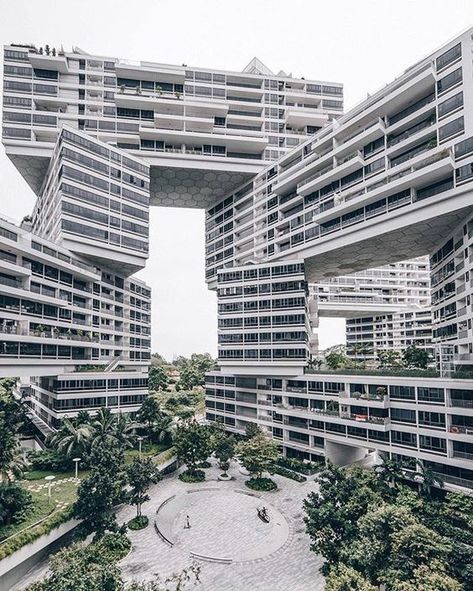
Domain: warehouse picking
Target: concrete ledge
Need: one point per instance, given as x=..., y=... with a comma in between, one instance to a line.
x=14, y=567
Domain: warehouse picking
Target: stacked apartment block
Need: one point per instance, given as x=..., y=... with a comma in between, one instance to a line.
x=298, y=199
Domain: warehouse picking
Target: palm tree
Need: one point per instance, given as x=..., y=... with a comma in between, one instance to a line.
x=162, y=428
x=15, y=466
x=124, y=430
x=427, y=479
x=391, y=472
x=104, y=428
x=72, y=438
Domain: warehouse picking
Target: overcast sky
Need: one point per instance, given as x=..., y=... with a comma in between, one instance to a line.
x=362, y=43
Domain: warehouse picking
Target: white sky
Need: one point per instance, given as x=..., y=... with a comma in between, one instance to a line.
x=362, y=43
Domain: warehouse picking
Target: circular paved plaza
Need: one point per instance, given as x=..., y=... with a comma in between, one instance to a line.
x=207, y=522
x=234, y=548
x=224, y=524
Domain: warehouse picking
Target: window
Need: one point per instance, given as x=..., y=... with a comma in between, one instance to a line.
x=449, y=56
x=452, y=128
x=402, y=392
x=401, y=438
x=451, y=104
x=449, y=81
x=402, y=415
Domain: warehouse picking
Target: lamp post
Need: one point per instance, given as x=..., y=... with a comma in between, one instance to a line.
x=140, y=439
x=76, y=462
x=49, y=480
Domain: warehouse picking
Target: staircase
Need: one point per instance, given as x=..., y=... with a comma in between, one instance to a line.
x=113, y=364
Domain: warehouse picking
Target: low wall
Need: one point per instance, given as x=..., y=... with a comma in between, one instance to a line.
x=14, y=567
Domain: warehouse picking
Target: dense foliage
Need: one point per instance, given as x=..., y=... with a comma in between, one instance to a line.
x=94, y=567
x=98, y=494
x=258, y=454
x=371, y=529
x=193, y=444
x=141, y=474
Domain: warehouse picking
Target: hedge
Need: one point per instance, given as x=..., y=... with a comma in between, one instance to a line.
x=288, y=474
x=33, y=533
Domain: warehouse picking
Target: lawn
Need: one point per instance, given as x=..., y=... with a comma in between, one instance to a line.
x=63, y=494
x=148, y=450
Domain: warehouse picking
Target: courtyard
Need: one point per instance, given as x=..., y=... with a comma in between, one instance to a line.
x=216, y=525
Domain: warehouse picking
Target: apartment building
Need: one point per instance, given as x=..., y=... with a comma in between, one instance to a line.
x=342, y=417
x=187, y=123
x=61, y=316
x=386, y=308
x=295, y=193
x=388, y=182
x=98, y=139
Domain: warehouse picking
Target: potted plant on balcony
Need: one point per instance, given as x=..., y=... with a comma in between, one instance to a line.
x=381, y=392
x=159, y=90
x=137, y=90
x=122, y=89
x=40, y=330
x=177, y=95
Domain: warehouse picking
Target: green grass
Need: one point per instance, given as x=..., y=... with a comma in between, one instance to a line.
x=64, y=493
x=148, y=450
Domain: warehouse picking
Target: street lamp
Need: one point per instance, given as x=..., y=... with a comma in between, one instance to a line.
x=140, y=439
x=49, y=480
x=76, y=462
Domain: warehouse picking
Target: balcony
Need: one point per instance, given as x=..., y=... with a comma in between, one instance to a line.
x=350, y=164
x=412, y=109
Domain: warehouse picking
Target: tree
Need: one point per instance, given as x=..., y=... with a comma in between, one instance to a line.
x=224, y=450
x=336, y=360
x=12, y=418
x=314, y=364
x=104, y=428
x=346, y=578
x=158, y=378
x=15, y=502
x=257, y=454
x=427, y=479
x=11, y=459
x=425, y=579
x=389, y=359
x=415, y=357
x=192, y=370
x=333, y=511
x=158, y=423
x=391, y=472
x=162, y=429
x=252, y=429
x=372, y=550
x=72, y=439
x=141, y=473
x=102, y=490
x=414, y=546
x=149, y=411
x=192, y=444
x=190, y=377
x=81, y=568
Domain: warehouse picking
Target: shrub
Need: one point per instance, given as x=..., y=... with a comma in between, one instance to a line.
x=205, y=465
x=191, y=477
x=261, y=484
x=115, y=545
x=49, y=460
x=137, y=523
x=289, y=474
x=15, y=503
x=299, y=466
x=32, y=534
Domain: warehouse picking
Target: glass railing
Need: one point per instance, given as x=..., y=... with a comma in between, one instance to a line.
x=412, y=109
